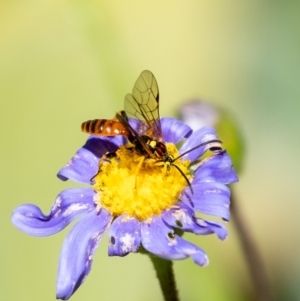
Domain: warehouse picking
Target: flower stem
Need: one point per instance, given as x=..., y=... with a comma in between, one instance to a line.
x=252, y=256
x=165, y=275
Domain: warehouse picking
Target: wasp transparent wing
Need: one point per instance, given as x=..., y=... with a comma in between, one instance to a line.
x=123, y=118
x=143, y=104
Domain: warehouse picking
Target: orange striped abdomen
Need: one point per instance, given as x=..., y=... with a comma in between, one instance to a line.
x=104, y=127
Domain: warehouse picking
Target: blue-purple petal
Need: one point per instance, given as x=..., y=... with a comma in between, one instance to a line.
x=212, y=227
x=81, y=168
x=159, y=239
x=124, y=236
x=110, y=144
x=209, y=198
x=191, y=250
x=184, y=219
x=174, y=130
x=69, y=204
x=202, y=135
x=85, y=164
x=217, y=168
x=78, y=250
x=137, y=126
x=181, y=217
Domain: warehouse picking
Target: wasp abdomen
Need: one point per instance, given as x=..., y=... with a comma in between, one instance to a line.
x=104, y=127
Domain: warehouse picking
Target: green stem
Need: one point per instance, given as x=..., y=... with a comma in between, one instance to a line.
x=165, y=275
x=252, y=255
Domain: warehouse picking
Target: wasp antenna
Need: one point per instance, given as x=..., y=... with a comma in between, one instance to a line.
x=199, y=145
x=185, y=177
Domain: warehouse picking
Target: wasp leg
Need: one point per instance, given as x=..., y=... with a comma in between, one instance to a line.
x=138, y=169
x=107, y=158
x=92, y=178
x=170, y=162
x=109, y=155
x=166, y=166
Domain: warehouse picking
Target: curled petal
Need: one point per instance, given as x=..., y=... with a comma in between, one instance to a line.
x=173, y=130
x=85, y=164
x=209, y=198
x=77, y=252
x=159, y=239
x=184, y=218
x=213, y=227
x=191, y=250
x=124, y=236
x=202, y=135
x=217, y=168
x=69, y=204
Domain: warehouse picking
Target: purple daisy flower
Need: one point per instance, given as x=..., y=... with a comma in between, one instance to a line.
x=143, y=209
x=144, y=189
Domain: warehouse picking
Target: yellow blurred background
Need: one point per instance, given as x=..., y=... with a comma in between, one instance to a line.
x=64, y=62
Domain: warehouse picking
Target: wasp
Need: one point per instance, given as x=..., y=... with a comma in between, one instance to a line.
x=145, y=133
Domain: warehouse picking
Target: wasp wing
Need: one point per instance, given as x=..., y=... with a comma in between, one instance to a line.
x=143, y=104
x=123, y=119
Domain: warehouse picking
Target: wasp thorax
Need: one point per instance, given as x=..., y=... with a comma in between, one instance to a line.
x=139, y=186
x=153, y=143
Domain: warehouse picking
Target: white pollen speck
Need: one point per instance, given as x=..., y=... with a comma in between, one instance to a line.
x=74, y=207
x=172, y=241
x=127, y=241
x=98, y=207
x=201, y=222
x=96, y=198
x=57, y=213
x=182, y=216
x=58, y=201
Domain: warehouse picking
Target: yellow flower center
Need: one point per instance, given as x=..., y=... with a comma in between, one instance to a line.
x=138, y=186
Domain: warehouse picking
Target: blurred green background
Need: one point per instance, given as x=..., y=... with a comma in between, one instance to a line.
x=64, y=62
